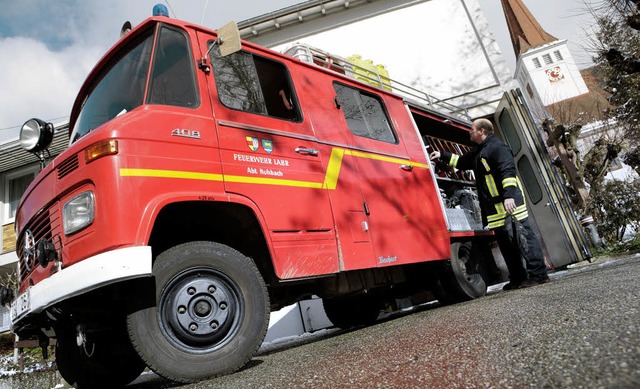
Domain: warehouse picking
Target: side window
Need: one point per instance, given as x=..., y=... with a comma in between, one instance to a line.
x=364, y=113
x=250, y=83
x=529, y=180
x=173, y=80
x=509, y=130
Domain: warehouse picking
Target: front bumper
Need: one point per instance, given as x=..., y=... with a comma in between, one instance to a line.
x=90, y=274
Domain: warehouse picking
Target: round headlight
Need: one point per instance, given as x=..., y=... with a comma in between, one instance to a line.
x=36, y=135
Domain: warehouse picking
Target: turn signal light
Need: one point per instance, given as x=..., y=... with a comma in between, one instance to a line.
x=101, y=149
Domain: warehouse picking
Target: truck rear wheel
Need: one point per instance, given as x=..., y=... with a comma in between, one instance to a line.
x=345, y=312
x=460, y=279
x=210, y=315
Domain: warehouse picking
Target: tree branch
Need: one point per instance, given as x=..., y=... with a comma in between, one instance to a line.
x=618, y=61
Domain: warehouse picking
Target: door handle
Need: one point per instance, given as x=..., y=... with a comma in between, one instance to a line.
x=307, y=151
x=406, y=168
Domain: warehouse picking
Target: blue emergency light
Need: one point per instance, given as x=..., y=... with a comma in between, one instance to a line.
x=160, y=10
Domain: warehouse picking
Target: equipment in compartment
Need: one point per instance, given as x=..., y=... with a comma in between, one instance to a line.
x=457, y=188
x=442, y=170
x=463, y=210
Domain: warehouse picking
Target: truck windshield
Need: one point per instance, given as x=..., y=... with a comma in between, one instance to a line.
x=119, y=90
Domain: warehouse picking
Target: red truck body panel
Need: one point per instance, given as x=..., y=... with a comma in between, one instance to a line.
x=357, y=203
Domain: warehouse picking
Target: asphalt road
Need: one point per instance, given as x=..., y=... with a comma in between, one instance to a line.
x=582, y=330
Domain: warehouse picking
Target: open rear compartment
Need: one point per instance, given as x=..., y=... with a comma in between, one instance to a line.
x=459, y=197
x=458, y=192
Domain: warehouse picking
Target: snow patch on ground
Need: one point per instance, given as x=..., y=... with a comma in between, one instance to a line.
x=9, y=368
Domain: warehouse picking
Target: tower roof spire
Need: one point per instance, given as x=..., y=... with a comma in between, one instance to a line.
x=524, y=29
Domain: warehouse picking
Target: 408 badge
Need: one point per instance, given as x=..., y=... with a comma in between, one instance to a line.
x=186, y=133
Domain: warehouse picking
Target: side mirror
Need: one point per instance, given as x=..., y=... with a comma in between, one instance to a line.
x=36, y=135
x=229, y=39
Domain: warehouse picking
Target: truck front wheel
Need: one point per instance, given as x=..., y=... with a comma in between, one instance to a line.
x=210, y=315
x=104, y=360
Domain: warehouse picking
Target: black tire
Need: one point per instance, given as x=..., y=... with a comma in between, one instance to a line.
x=346, y=312
x=210, y=317
x=107, y=360
x=460, y=279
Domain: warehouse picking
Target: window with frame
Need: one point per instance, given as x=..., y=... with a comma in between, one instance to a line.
x=536, y=63
x=558, y=55
x=364, y=113
x=119, y=90
x=251, y=83
x=529, y=91
x=547, y=59
x=173, y=81
x=15, y=186
x=529, y=180
x=509, y=129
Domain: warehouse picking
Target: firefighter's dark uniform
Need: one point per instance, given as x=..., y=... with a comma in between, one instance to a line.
x=495, y=173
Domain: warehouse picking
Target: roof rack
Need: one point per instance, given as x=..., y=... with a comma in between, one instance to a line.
x=376, y=75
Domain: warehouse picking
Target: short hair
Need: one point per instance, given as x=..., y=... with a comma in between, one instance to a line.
x=484, y=124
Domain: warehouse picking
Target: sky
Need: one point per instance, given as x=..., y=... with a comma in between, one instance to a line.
x=48, y=47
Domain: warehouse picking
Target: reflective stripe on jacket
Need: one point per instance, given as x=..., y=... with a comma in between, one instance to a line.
x=495, y=172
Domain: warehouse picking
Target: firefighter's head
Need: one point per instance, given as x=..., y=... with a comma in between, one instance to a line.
x=480, y=129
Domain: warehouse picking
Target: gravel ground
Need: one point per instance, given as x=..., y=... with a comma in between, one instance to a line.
x=582, y=330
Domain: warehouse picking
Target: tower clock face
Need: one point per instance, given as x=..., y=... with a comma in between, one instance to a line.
x=554, y=74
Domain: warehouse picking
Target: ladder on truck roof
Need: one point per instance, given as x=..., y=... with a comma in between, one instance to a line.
x=375, y=75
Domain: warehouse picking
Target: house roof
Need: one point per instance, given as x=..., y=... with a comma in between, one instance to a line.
x=13, y=156
x=525, y=31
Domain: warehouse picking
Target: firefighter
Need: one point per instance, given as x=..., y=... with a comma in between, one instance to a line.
x=503, y=204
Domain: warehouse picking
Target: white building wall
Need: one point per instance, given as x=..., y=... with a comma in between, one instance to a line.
x=530, y=93
x=542, y=64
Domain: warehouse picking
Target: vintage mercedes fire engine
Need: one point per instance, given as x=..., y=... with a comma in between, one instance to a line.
x=208, y=182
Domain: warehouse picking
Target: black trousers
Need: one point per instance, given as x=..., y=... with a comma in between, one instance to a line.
x=522, y=264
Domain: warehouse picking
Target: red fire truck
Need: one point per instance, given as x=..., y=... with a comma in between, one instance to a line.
x=205, y=186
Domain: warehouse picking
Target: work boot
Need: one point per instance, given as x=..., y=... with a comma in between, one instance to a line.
x=511, y=285
x=533, y=281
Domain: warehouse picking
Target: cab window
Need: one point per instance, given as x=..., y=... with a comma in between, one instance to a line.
x=118, y=90
x=364, y=113
x=251, y=83
x=173, y=80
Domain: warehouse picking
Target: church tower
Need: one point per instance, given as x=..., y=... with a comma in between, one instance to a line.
x=545, y=67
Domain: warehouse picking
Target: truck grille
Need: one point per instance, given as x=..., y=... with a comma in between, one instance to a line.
x=44, y=225
x=67, y=166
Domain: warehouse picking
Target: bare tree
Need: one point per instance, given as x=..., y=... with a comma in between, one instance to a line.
x=616, y=49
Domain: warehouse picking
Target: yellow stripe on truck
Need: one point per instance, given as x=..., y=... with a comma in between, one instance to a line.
x=333, y=169
x=330, y=180
x=215, y=177
x=170, y=174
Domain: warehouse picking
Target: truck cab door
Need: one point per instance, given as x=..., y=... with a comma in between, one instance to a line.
x=270, y=159
x=549, y=206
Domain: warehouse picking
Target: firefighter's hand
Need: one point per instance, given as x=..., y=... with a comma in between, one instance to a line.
x=435, y=155
x=509, y=205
